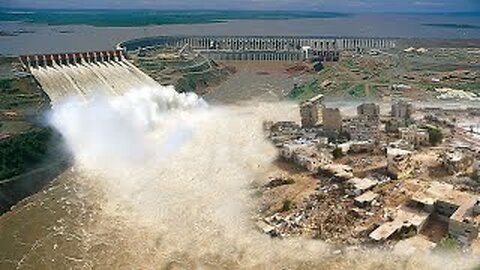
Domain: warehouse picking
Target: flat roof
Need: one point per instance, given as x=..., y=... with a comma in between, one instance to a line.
x=366, y=197
x=406, y=217
x=363, y=183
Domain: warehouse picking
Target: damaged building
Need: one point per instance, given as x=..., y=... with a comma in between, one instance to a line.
x=332, y=119
x=308, y=156
x=309, y=111
x=458, y=211
x=364, y=126
x=399, y=163
x=457, y=162
x=414, y=135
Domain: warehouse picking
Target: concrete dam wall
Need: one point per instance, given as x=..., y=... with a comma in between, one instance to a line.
x=265, y=48
x=85, y=74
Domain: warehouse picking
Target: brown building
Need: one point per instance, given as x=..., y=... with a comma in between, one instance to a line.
x=361, y=128
x=370, y=111
x=332, y=119
x=402, y=109
x=414, y=135
x=309, y=111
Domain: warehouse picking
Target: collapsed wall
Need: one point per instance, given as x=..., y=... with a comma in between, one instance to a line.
x=88, y=74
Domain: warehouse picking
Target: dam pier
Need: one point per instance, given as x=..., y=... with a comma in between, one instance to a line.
x=85, y=74
x=264, y=48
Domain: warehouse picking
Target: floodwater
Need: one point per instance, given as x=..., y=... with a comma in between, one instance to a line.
x=44, y=39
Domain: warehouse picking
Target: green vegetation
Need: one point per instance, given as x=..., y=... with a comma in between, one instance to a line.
x=287, y=205
x=357, y=91
x=5, y=84
x=448, y=244
x=435, y=134
x=21, y=152
x=337, y=153
x=305, y=91
x=186, y=84
x=344, y=85
x=125, y=18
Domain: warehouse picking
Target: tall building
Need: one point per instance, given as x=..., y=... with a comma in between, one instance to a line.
x=332, y=119
x=309, y=111
x=370, y=111
x=401, y=109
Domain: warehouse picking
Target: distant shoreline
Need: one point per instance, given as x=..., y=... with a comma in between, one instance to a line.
x=141, y=18
x=19, y=38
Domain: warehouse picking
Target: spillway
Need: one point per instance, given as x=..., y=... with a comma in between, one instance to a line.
x=86, y=74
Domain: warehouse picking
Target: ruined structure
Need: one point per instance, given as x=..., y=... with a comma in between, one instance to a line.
x=365, y=126
x=414, y=135
x=309, y=111
x=308, y=156
x=457, y=162
x=332, y=118
x=458, y=211
x=399, y=163
x=361, y=129
x=369, y=111
x=255, y=48
x=401, y=109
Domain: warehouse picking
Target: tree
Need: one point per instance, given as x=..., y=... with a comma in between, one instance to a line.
x=287, y=205
x=337, y=153
x=435, y=135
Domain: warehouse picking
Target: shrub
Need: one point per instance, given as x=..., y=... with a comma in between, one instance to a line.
x=287, y=205
x=337, y=153
x=435, y=134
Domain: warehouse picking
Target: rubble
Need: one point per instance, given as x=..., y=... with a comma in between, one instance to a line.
x=399, y=163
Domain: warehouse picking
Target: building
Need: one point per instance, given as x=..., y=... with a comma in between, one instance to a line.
x=402, y=110
x=332, y=119
x=309, y=111
x=401, y=144
x=308, y=156
x=361, y=146
x=406, y=221
x=457, y=162
x=371, y=111
x=361, y=129
x=361, y=185
x=399, y=163
x=365, y=199
x=459, y=211
x=415, y=136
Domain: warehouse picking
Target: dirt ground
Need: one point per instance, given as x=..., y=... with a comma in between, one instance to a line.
x=264, y=81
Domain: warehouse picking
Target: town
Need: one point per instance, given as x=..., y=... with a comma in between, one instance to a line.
x=407, y=179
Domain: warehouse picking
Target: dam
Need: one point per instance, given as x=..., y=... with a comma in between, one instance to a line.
x=257, y=48
x=86, y=74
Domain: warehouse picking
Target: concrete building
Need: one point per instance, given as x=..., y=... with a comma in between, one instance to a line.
x=399, y=163
x=402, y=109
x=457, y=162
x=414, y=135
x=361, y=128
x=406, y=221
x=308, y=156
x=309, y=111
x=361, y=185
x=365, y=199
x=459, y=211
x=393, y=124
x=332, y=119
x=370, y=111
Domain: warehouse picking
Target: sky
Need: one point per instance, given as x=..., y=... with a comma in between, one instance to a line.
x=350, y=6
